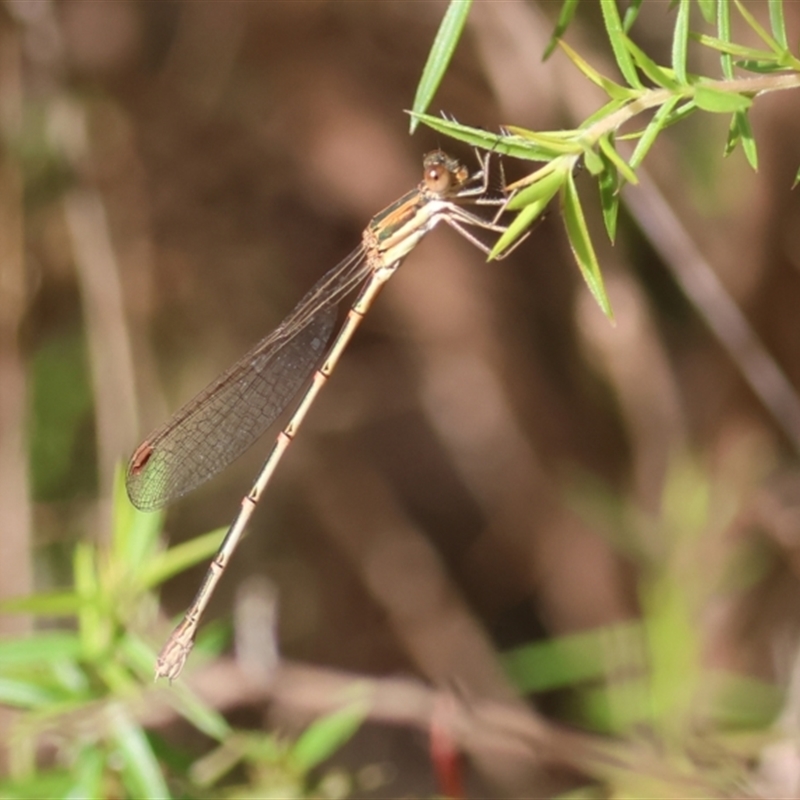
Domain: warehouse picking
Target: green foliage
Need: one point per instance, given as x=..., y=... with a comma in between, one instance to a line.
x=671, y=91
x=441, y=52
x=648, y=676
x=93, y=676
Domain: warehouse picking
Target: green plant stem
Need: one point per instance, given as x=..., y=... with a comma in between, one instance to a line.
x=651, y=98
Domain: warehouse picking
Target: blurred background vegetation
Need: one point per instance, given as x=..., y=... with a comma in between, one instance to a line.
x=498, y=497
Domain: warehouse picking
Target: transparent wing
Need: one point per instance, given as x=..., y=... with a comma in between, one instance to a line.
x=226, y=418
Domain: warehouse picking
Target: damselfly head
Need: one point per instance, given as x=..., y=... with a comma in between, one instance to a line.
x=443, y=174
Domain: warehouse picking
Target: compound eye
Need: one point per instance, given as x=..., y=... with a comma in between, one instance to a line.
x=437, y=178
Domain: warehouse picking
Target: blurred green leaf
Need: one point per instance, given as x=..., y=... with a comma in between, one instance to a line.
x=327, y=735
x=651, y=132
x=52, y=604
x=40, y=648
x=724, y=33
x=592, y=161
x=610, y=152
x=682, y=111
x=18, y=693
x=759, y=67
x=777, y=22
x=609, y=184
x=618, y=38
x=87, y=772
x=552, y=143
x=581, y=244
x=719, y=102
x=141, y=773
x=180, y=557
x=680, y=41
x=739, y=701
x=614, y=90
x=602, y=113
x=738, y=50
x=567, y=660
x=517, y=228
x=708, y=10
x=740, y=131
x=619, y=708
x=92, y=613
x=542, y=183
x=532, y=200
x=477, y=137
x=774, y=46
x=631, y=12
x=205, y=718
x=439, y=57
x=43, y=784
x=135, y=533
x=658, y=75
x=568, y=9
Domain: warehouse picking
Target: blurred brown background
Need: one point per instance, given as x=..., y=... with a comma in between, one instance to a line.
x=176, y=175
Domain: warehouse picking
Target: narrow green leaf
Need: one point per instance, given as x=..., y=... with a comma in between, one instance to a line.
x=745, y=135
x=592, y=161
x=532, y=200
x=181, y=557
x=796, y=178
x=617, y=37
x=603, y=112
x=118, y=680
x=327, y=735
x=777, y=22
x=496, y=143
x=542, y=183
x=439, y=57
x=202, y=716
x=135, y=533
x=87, y=773
x=612, y=89
x=568, y=660
x=607, y=146
x=681, y=112
x=92, y=619
x=52, y=604
x=719, y=102
x=761, y=67
x=557, y=140
x=740, y=131
x=541, y=137
x=708, y=10
x=140, y=771
x=581, y=244
x=760, y=32
x=40, y=649
x=28, y=694
x=651, y=132
x=738, y=50
x=631, y=12
x=568, y=9
x=734, y=136
x=517, y=228
x=724, y=33
x=609, y=185
x=680, y=40
x=659, y=75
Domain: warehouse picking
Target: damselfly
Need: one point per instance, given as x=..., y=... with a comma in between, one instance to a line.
x=221, y=422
